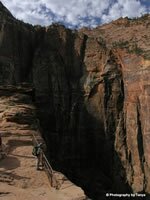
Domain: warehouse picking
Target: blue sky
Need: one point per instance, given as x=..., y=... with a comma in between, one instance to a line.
x=75, y=13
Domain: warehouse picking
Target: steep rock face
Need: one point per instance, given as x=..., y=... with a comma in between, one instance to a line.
x=131, y=134
x=133, y=130
x=92, y=93
x=16, y=48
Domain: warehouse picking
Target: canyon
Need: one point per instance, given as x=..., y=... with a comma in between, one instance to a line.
x=92, y=94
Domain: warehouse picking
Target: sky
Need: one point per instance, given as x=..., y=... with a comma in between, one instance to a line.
x=75, y=13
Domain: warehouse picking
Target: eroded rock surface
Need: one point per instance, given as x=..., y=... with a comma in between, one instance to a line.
x=92, y=95
x=19, y=129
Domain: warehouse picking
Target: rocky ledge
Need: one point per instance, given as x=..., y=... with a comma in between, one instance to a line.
x=92, y=92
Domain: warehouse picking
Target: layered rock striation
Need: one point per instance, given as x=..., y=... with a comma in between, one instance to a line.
x=92, y=94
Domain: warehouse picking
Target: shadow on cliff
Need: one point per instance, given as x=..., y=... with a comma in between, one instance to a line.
x=76, y=140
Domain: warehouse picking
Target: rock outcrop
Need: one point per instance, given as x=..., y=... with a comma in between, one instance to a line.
x=20, y=130
x=16, y=48
x=92, y=94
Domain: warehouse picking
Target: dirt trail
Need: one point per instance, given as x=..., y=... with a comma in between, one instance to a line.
x=19, y=179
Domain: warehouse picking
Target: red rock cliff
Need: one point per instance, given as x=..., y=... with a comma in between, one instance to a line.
x=92, y=90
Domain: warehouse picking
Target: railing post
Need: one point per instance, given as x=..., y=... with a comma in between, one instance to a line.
x=53, y=181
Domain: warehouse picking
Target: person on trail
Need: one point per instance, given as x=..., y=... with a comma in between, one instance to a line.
x=38, y=152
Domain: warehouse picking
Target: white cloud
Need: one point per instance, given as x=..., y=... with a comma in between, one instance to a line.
x=73, y=12
x=125, y=8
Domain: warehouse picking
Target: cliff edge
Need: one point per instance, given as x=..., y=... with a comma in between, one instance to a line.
x=92, y=92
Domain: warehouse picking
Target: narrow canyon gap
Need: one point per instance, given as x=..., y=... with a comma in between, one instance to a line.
x=92, y=92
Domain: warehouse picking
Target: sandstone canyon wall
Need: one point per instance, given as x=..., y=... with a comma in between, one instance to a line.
x=92, y=92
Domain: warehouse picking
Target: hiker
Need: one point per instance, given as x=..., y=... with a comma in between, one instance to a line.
x=38, y=152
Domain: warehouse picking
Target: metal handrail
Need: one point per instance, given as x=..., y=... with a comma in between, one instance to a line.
x=48, y=168
x=46, y=161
